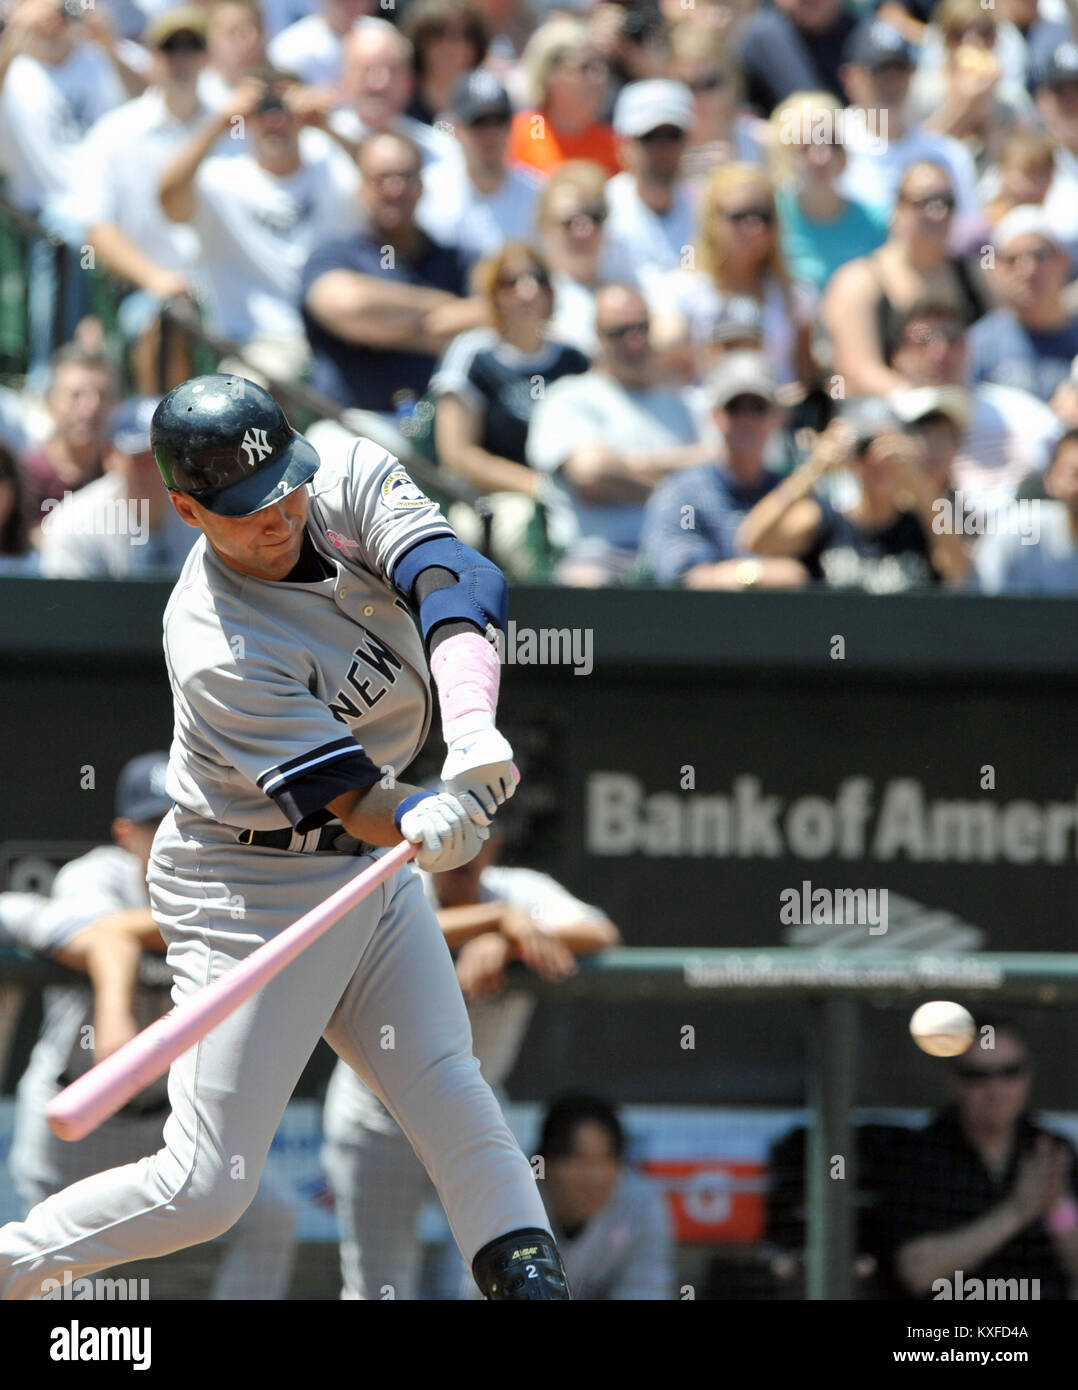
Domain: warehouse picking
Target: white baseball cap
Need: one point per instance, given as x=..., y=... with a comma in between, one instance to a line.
x=644, y=106
x=1027, y=220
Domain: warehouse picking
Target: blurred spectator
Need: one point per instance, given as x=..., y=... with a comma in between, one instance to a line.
x=736, y=253
x=610, y=1223
x=55, y=80
x=650, y=209
x=611, y=436
x=122, y=524
x=984, y=1190
x=566, y=78
x=489, y=201
x=738, y=328
x=632, y=38
x=967, y=95
x=692, y=518
x=313, y=47
x=259, y=216
x=796, y=47
x=882, y=142
x=16, y=554
x=885, y=542
x=1056, y=94
x=98, y=923
x=377, y=83
x=1032, y=339
x=490, y=916
x=449, y=39
x=235, y=48
x=721, y=130
x=1026, y=168
x=937, y=417
x=80, y=395
x=1042, y=558
x=490, y=379
x=571, y=217
x=821, y=230
x=382, y=305
x=121, y=161
x=866, y=298
x=1010, y=432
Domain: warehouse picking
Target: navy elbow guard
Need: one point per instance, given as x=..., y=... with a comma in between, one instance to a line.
x=479, y=595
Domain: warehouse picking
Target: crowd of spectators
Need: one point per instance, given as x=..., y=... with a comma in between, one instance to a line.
x=706, y=293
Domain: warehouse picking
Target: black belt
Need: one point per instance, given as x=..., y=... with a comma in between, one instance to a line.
x=332, y=839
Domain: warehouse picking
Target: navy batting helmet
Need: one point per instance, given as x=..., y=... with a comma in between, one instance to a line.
x=226, y=442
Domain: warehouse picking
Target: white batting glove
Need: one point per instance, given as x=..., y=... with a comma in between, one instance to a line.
x=481, y=763
x=449, y=828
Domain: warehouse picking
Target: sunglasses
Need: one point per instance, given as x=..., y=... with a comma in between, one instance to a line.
x=589, y=67
x=595, y=215
x=665, y=134
x=711, y=83
x=979, y=31
x=495, y=120
x=933, y=202
x=183, y=43
x=510, y=282
x=1040, y=254
x=616, y=334
x=747, y=405
x=976, y=1075
x=945, y=333
x=761, y=214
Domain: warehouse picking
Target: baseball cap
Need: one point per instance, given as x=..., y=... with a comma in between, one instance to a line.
x=1027, y=220
x=1059, y=65
x=140, y=790
x=874, y=44
x=184, y=19
x=740, y=374
x=916, y=402
x=478, y=94
x=644, y=106
x=129, y=428
x=740, y=317
x=868, y=417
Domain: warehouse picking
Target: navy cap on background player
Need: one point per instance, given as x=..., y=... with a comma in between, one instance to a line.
x=875, y=44
x=140, y=789
x=227, y=443
x=478, y=94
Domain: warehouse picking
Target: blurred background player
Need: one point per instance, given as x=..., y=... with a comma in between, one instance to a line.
x=610, y=1223
x=490, y=916
x=98, y=921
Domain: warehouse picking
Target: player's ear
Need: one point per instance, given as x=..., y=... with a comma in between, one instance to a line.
x=184, y=508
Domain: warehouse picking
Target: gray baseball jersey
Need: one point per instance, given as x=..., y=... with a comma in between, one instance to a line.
x=286, y=696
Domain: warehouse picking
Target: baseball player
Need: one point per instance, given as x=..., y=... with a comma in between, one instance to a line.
x=492, y=915
x=98, y=920
x=300, y=683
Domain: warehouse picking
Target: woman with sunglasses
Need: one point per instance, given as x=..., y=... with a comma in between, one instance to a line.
x=566, y=78
x=865, y=299
x=723, y=130
x=486, y=388
x=572, y=216
x=737, y=253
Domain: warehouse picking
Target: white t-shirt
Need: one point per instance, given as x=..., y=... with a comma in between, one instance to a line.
x=499, y=1023
x=875, y=165
x=1010, y=434
x=120, y=164
x=573, y=319
x=453, y=211
x=636, y=237
x=310, y=49
x=434, y=145
x=45, y=110
x=258, y=230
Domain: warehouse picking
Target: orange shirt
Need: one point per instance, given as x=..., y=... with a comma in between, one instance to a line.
x=544, y=148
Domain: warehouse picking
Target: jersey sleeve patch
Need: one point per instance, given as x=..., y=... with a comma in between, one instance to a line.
x=400, y=494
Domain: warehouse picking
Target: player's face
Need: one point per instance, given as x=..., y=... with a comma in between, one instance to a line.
x=581, y=1182
x=265, y=545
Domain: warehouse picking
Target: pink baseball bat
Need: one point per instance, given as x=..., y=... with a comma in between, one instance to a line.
x=90, y=1100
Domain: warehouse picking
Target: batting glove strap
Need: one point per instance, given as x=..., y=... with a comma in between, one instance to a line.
x=406, y=805
x=448, y=830
x=523, y=1266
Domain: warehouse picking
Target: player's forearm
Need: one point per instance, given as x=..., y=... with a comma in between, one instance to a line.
x=368, y=815
x=920, y=1262
x=176, y=189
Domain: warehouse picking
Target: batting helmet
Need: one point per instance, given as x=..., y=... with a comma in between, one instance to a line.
x=226, y=442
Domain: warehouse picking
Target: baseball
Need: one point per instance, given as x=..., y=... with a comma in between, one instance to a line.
x=942, y=1028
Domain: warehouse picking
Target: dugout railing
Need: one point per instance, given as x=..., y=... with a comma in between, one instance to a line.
x=835, y=984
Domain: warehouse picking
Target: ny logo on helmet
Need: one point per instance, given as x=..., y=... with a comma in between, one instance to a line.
x=256, y=446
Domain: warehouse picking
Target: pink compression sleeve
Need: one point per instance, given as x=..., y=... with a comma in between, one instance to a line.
x=467, y=672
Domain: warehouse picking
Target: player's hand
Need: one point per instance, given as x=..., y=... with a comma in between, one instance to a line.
x=481, y=763
x=449, y=828
x=539, y=951
x=481, y=965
